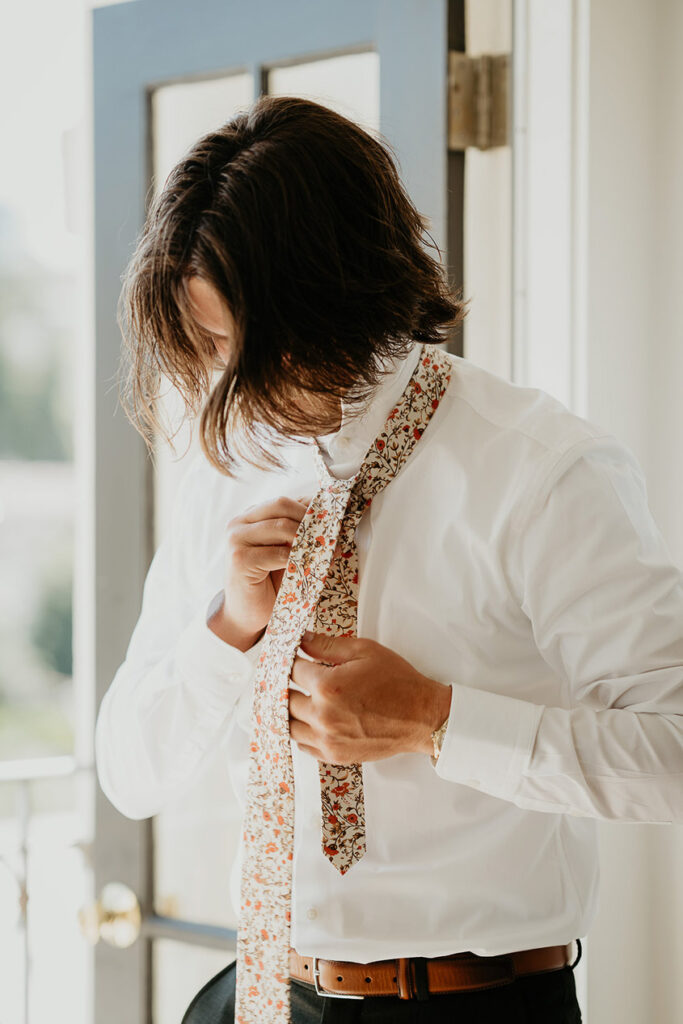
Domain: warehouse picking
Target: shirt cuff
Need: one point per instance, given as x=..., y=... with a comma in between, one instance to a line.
x=221, y=670
x=488, y=740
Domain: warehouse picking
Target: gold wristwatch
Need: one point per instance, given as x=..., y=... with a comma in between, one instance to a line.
x=437, y=740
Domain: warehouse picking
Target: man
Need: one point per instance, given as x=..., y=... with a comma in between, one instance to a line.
x=517, y=668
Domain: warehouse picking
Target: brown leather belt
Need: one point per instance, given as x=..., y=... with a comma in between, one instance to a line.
x=418, y=977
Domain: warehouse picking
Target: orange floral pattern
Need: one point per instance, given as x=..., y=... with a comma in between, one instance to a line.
x=321, y=592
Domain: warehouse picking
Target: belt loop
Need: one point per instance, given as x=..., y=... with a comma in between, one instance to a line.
x=578, y=943
x=403, y=976
x=420, y=979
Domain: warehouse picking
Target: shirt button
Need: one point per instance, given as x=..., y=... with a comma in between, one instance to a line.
x=312, y=913
x=472, y=782
x=344, y=442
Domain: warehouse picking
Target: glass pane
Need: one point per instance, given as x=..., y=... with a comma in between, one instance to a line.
x=12, y=946
x=179, y=971
x=206, y=818
x=42, y=287
x=59, y=956
x=43, y=950
x=183, y=111
x=348, y=84
x=36, y=552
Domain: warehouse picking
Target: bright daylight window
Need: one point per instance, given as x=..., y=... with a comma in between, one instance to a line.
x=44, y=211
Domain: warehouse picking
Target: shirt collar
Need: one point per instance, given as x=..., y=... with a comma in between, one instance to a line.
x=358, y=429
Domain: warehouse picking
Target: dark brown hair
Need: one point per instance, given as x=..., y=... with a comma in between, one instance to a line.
x=297, y=216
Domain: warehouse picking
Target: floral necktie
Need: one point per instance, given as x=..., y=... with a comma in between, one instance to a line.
x=315, y=592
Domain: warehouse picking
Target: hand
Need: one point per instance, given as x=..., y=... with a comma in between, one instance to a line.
x=258, y=546
x=365, y=704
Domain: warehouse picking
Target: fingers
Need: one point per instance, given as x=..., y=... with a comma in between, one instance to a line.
x=294, y=687
x=274, y=522
x=334, y=649
x=249, y=559
x=300, y=707
x=260, y=545
x=305, y=673
x=267, y=531
x=283, y=506
x=305, y=737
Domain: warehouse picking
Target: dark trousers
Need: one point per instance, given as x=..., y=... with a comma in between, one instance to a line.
x=544, y=998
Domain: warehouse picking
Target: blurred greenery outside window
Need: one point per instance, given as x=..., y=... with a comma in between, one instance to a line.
x=38, y=322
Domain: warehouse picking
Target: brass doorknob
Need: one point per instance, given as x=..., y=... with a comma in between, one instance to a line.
x=114, y=917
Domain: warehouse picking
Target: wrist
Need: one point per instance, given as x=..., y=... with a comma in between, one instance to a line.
x=437, y=708
x=229, y=632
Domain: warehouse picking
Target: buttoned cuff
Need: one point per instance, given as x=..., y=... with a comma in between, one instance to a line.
x=488, y=740
x=216, y=667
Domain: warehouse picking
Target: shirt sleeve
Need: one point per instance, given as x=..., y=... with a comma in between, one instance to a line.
x=605, y=604
x=170, y=699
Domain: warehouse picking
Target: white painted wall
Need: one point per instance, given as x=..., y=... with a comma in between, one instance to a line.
x=665, y=443
x=634, y=369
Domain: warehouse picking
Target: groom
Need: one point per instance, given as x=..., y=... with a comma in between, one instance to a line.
x=518, y=668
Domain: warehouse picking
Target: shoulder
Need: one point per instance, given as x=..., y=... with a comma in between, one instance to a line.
x=521, y=436
x=515, y=411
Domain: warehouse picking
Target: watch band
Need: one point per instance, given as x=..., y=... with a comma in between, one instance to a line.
x=437, y=740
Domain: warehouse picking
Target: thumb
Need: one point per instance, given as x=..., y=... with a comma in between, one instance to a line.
x=332, y=649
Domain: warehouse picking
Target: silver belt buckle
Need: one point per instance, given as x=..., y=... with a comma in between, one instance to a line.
x=322, y=992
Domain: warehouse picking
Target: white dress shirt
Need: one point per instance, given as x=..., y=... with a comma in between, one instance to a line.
x=514, y=557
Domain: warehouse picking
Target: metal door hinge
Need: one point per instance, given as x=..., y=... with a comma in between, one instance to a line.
x=478, y=89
